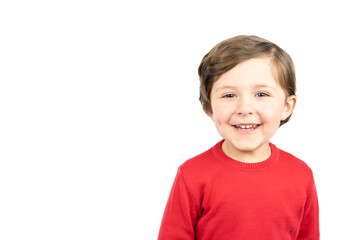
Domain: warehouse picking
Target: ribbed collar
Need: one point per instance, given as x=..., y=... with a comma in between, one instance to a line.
x=259, y=165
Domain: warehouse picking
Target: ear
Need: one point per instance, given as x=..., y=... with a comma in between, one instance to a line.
x=289, y=107
x=210, y=114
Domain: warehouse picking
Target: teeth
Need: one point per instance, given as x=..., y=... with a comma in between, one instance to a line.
x=247, y=127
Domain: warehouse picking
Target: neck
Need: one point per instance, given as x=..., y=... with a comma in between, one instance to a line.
x=260, y=154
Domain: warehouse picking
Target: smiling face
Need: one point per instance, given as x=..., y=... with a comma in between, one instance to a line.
x=247, y=106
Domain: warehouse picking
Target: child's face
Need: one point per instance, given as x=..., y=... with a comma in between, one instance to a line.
x=247, y=107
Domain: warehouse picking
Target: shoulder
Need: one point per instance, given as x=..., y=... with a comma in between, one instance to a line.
x=296, y=173
x=202, y=166
x=198, y=162
x=294, y=164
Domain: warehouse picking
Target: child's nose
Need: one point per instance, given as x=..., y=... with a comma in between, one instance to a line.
x=244, y=107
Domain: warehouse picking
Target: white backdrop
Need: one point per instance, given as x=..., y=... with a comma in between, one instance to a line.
x=99, y=106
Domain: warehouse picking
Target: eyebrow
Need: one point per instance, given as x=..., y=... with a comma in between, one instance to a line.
x=264, y=86
x=255, y=86
x=225, y=87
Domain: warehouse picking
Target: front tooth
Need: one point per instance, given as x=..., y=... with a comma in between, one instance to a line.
x=248, y=126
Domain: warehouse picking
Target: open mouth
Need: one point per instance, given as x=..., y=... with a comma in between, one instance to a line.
x=246, y=127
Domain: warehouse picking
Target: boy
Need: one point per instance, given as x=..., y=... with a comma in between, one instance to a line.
x=244, y=187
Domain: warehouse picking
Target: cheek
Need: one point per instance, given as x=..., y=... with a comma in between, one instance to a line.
x=221, y=114
x=272, y=114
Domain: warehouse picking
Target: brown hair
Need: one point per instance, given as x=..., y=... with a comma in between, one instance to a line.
x=230, y=52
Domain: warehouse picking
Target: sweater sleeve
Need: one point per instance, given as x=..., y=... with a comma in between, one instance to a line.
x=180, y=212
x=309, y=228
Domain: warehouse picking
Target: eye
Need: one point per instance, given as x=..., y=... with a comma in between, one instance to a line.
x=229, y=95
x=262, y=94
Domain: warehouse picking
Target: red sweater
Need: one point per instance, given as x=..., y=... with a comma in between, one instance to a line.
x=216, y=197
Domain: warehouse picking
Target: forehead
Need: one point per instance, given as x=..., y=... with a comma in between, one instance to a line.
x=254, y=72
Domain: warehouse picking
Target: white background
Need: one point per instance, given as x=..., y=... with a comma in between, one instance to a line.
x=99, y=106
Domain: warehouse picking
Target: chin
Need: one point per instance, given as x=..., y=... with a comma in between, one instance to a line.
x=247, y=147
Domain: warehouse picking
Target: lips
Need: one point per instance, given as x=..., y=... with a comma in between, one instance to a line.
x=246, y=127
